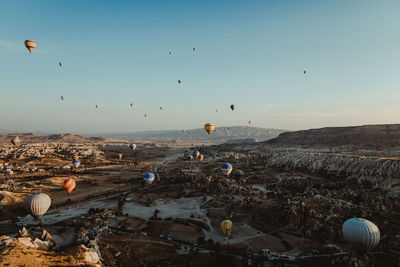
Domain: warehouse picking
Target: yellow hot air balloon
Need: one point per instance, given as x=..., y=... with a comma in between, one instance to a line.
x=226, y=228
x=209, y=127
x=30, y=45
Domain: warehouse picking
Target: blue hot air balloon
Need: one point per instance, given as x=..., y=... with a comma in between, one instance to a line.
x=226, y=168
x=149, y=178
x=76, y=163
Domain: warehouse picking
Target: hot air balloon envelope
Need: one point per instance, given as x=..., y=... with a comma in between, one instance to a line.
x=209, y=127
x=361, y=233
x=69, y=185
x=37, y=204
x=30, y=45
x=226, y=228
x=149, y=178
x=226, y=168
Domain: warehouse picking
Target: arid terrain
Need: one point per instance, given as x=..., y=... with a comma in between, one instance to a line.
x=287, y=203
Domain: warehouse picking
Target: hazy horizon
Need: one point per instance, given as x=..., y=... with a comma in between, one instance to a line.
x=251, y=54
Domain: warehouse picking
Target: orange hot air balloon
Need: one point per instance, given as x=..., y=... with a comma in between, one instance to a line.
x=30, y=45
x=62, y=97
x=69, y=185
x=131, y=105
x=201, y=157
x=209, y=127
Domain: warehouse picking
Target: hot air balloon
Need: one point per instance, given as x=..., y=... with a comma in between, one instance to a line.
x=60, y=64
x=216, y=110
x=194, y=49
x=304, y=72
x=249, y=122
x=226, y=168
x=190, y=157
x=149, y=178
x=76, y=163
x=209, y=127
x=233, y=107
x=69, y=185
x=119, y=156
x=160, y=108
x=97, y=106
x=170, y=52
x=15, y=141
x=182, y=130
x=196, y=154
x=174, y=66
x=30, y=45
x=269, y=132
x=179, y=81
x=361, y=233
x=37, y=204
x=131, y=105
x=132, y=147
x=226, y=228
x=145, y=115
x=62, y=97
x=201, y=157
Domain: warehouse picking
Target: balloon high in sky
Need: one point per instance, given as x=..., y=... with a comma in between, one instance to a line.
x=286, y=65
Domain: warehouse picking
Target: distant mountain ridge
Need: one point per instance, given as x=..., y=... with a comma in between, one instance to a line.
x=54, y=138
x=384, y=136
x=220, y=134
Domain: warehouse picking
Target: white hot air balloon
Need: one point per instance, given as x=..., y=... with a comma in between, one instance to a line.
x=37, y=204
x=361, y=233
x=120, y=156
x=132, y=147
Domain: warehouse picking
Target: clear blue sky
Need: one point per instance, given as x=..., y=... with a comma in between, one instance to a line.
x=250, y=53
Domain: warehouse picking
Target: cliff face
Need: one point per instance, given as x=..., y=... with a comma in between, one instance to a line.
x=361, y=137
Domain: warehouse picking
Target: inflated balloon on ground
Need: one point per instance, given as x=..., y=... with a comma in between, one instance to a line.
x=361, y=233
x=37, y=204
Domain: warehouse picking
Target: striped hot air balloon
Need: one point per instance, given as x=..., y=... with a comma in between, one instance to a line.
x=69, y=185
x=30, y=45
x=37, y=204
x=361, y=233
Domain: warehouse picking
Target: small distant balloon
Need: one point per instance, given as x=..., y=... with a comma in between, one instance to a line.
x=174, y=66
x=194, y=49
x=132, y=147
x=216, y=110
x=226, y=168
x=160, y=108
x=63, y=98
x=170, y=52
x=30, y=45
x=249, y=122
x=233, y=107
x=131, y=105
x=145, y=115
x=60, y=64
x=97, y=106
x=209, y=127
x=15, y=141
x=149, y=178
x=179, y=81
x=305, y=72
